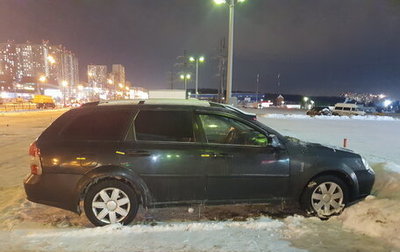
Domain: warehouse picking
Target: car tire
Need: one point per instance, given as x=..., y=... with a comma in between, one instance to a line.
x=325, y=196
x=111, y=201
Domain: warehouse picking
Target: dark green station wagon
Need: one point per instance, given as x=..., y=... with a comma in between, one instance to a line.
x=116, y=155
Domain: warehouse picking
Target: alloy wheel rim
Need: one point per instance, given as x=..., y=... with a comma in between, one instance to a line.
x=327, y=199
x=111, y=205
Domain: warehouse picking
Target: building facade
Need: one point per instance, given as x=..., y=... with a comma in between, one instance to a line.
x=118, y=73
x=28, y=62
x=7, y=60
x=97, y=76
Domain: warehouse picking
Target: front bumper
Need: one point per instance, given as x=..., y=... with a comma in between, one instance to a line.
x=366, y=179
x=58, y=190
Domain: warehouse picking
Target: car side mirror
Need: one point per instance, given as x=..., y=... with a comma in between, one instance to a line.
x=274, y=142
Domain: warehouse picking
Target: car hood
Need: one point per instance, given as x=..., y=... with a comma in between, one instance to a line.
x=316, y=147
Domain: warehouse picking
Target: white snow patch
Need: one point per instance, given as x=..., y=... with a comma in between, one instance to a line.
x=263, y=234
x=335, y=118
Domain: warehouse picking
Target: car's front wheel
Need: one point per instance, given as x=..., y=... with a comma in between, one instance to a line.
x=109, y=202
x=325, y=196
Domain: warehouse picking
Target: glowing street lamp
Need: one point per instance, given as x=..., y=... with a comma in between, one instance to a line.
x=185, y=77
x=229, y=73
x=198, y=60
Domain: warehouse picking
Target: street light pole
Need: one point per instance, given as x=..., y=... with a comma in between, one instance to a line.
x=65, y=85
x=185, y=77
x=42, y=79
x=198, y=60
x=229, y=72
x=230, y=52
x=196, y=91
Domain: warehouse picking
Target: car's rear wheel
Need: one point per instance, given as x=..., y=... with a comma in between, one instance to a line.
x=325, y=196
x=109, y=202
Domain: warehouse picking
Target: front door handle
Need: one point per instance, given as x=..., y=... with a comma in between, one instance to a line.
x=216, y=155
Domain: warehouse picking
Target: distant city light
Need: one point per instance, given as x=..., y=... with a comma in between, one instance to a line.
x=64, y=83
x=42, y=78
x=51, y=59
x=219, y=1
x=387, y=103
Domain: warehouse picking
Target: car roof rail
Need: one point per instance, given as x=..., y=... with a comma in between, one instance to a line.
x=161, y=101
x=90, y=104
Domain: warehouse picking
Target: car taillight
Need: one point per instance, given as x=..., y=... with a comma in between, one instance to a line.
x=34, y=169
x=34, y=152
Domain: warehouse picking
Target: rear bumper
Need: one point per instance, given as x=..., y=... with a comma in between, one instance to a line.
x=58, y=190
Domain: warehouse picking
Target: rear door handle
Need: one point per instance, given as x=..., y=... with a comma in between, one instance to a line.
x=223, y=155
x=137, y=153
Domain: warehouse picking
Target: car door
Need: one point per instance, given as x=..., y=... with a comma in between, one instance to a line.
x=240, y=162
x=164, y=152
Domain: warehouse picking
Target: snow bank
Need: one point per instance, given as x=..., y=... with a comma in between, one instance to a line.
x=374, y=217
x=263, y=234
x=365, y=118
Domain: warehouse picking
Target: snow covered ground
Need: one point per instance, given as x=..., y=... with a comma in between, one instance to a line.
x=370, y=225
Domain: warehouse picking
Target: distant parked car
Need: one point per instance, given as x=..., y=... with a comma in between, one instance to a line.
x=347, y=109
x=114, y=156
x=319, y=111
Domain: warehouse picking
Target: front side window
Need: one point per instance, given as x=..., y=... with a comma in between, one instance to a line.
x=176, y=126
x=224, y=130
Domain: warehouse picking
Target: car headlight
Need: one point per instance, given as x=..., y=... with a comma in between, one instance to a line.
x=367, y=166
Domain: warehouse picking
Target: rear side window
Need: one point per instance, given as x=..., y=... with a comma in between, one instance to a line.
x=98, y=125
x=174, y=126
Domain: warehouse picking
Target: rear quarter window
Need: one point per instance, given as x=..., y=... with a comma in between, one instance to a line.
x=98, y=125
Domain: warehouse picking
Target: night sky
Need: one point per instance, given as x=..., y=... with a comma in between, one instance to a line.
x=319, y=47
